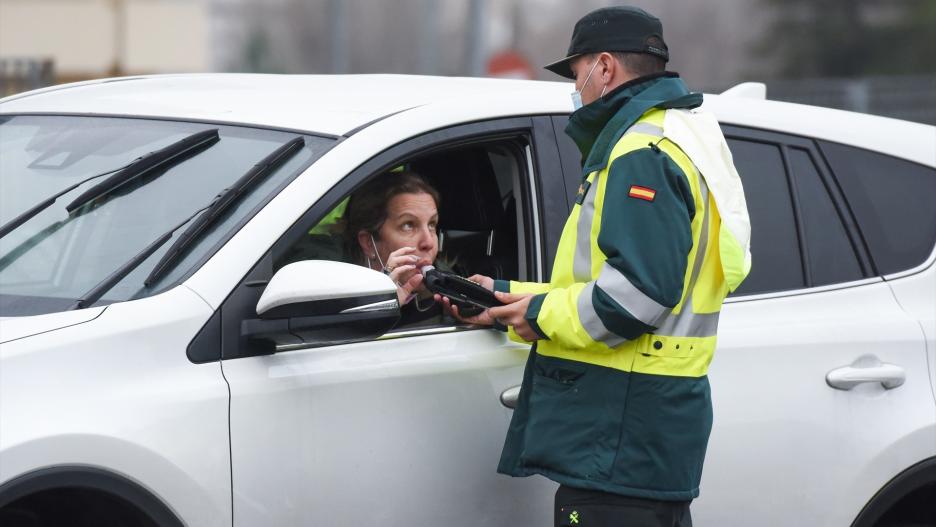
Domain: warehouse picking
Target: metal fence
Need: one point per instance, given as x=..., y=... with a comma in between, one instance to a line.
x=912, y=98
x=22, y=74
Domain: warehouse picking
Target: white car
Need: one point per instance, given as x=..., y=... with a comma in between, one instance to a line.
x=180, y=345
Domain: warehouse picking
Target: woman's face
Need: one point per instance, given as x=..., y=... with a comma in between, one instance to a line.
x=411, y=222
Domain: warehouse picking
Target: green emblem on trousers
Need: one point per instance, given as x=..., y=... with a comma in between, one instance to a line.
x=573, y=518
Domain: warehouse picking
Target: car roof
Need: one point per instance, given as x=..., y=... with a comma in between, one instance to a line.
x=327, y=104
x=341, y=104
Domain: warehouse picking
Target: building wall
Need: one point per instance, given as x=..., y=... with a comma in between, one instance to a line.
x=92, y=38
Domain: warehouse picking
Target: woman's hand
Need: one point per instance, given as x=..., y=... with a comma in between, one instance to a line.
x=403, y=268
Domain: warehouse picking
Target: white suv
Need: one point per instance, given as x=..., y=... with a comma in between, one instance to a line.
x=184, y=343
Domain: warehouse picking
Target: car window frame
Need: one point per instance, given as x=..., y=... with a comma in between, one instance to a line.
x=784, y=142
x=218, y=340
x=922, y=266
x=553, y=192
x=571, y=159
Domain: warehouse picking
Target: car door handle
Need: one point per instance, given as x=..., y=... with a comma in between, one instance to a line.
x=866, y=369
x=509, y=396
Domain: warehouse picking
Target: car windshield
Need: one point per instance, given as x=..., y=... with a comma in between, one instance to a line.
x=53, y=258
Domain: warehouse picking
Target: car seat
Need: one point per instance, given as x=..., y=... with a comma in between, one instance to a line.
x=473, y=223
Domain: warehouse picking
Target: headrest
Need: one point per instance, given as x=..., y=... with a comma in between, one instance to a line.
x=471, y=200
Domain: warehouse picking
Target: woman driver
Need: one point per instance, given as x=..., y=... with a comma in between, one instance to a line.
x=392, y=221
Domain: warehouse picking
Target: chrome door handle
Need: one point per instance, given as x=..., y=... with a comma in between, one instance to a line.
x=866, y=369
x=509, y=396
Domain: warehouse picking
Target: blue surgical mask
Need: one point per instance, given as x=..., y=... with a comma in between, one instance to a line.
x=577, y=94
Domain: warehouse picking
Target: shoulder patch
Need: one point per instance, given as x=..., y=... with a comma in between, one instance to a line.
x=643, y=193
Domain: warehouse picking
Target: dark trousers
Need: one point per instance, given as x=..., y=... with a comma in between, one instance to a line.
x=592, y=508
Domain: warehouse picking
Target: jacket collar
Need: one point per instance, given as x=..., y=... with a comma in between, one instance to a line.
x=596, y=127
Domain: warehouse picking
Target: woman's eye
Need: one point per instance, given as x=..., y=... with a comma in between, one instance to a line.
x=433, y=226
x=408, y=226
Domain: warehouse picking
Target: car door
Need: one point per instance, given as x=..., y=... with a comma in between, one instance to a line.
x=794, y=443
x=403, y=430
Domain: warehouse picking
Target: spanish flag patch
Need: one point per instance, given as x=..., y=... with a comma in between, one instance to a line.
x=642, y=193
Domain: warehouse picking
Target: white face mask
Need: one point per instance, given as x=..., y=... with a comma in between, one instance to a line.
x=577, y=94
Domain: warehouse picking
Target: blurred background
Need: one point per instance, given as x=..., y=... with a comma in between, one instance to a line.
x=874, y=56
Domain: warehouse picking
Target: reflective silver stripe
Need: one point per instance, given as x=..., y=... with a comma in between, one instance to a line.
x=593, y=325
x=644, y=127
x=626, y=294
x=703, y=240
x=581, y=262
x=687, y=323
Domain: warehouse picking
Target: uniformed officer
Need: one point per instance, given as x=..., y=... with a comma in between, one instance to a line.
x=615, y=402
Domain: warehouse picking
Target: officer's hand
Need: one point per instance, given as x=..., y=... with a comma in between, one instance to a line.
x=513, y=313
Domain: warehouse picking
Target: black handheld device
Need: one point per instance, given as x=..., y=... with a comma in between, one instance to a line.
x=470, y=297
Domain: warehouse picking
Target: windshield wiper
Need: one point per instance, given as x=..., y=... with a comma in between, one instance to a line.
x=221, y=203
x=163, y=158
x=218, y=205
x=22, y=218
x=174, y=153
x=114, y=278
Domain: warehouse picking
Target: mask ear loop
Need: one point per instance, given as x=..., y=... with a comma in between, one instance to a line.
x=603, y=88
x=377, y=254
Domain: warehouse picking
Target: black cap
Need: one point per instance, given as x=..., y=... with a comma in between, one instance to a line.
x=618, y=28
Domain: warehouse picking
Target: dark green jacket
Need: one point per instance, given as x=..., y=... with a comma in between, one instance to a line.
x=623, y=430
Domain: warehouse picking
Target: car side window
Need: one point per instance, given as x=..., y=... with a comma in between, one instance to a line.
x=479, y=226
x=830, y=255
x=777, y=263
x=501, y=239
x=892, y=200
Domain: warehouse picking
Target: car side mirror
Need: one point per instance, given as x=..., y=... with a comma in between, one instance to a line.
x=320, y=302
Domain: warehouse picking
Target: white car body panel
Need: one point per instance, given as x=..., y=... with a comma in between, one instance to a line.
x=118, y=395
x=916, y=294
x=13, y=328
x=307, y=102
x=297, y=448
x=772, y=358
x=432, y=402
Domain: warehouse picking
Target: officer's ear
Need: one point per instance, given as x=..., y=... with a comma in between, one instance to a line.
x=608, y=67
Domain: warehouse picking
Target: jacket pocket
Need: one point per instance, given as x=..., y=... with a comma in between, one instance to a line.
x=573, y=425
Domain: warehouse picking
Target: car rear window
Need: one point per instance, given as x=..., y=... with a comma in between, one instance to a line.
x=893, y=202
